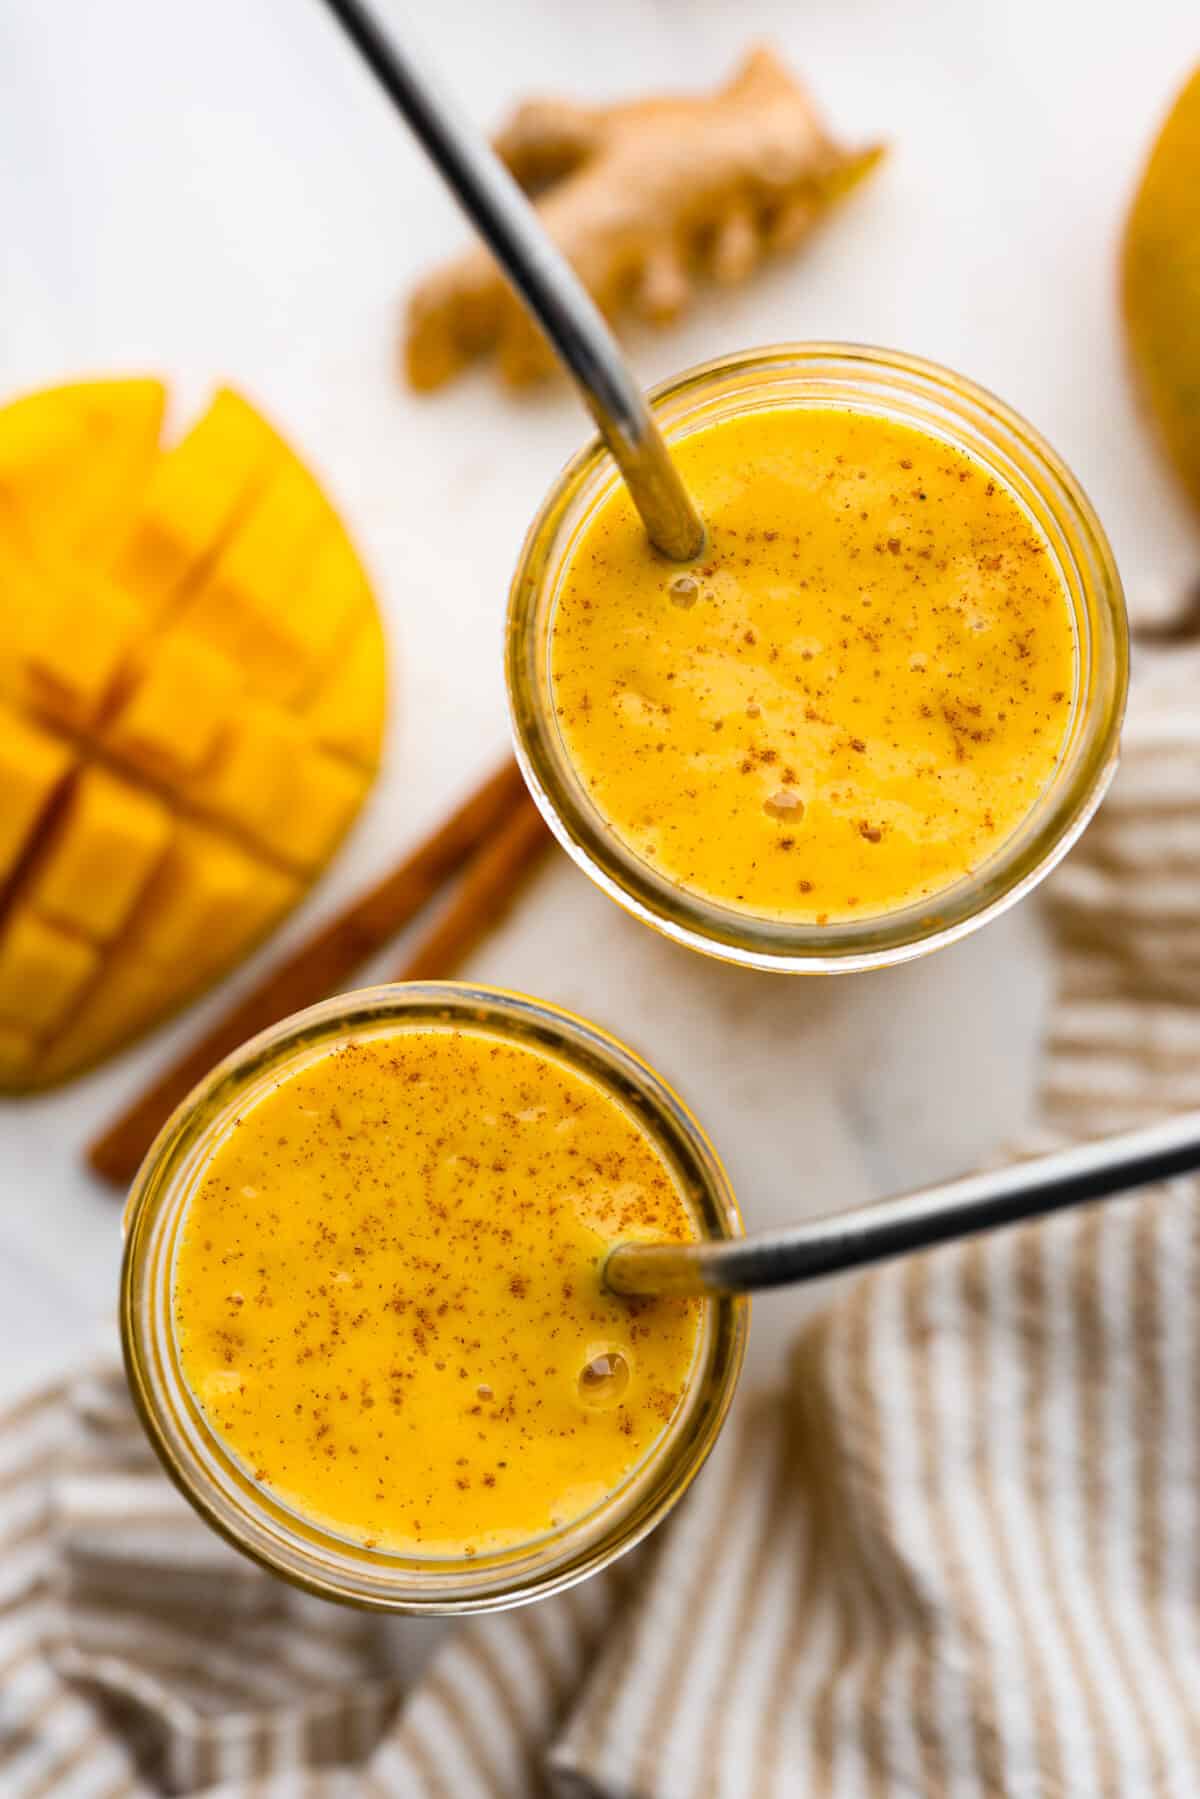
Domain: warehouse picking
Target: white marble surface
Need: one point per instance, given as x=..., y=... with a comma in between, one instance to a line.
x=216, y=191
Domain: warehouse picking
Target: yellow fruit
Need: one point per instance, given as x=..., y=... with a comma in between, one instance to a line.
x=192, y=696
x=1161, y=285
x=73, y=460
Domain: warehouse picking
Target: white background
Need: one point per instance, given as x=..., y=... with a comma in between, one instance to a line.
x=212, y=189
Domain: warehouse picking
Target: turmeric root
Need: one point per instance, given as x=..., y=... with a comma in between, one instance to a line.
x=641, y=198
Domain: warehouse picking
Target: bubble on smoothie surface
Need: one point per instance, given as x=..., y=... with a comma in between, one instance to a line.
x=684, y=590
x=604, y=1379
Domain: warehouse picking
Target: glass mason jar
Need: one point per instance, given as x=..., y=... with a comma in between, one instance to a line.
x=224, y=1492
x=942, y=404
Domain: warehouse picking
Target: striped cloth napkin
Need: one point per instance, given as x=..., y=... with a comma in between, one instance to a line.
x=960, y=1556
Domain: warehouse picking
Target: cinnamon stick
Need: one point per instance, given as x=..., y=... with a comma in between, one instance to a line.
x=492, y=880
x=319, y=966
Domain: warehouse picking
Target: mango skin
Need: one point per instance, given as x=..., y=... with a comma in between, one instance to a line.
x=192, y=701
x=1160, y=278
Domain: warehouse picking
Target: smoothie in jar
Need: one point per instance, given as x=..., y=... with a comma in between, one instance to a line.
x=854, y=696
x=387, y=1291
x=872, y=713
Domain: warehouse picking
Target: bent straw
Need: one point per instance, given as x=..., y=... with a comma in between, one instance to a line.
x=542, y=277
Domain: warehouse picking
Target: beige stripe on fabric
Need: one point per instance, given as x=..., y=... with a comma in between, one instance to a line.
x=663, y=1649
x=408, y=1772
x=765, y=1445
x=1068, y=1723
x=508, y=1661
x=489, y=1693
x=690, y=1715
x=692, y=1687
x=1017, y=1669
x=785, y=1740
x=1145, y=1421
x=1125, y=1311
x=730, y=1748
x=43, y=1401
x=75, y=1765
x=552, y=1641
x=1053, y=1458
x=904, y=1534
x=1145, y=1756
x=441, y=1732
x=891, y=1745
x=845, y=1736
x=963, y=1733
x=1170, y=1513
x=602, y=1688
x=1000, y=1692
x=61, y=1740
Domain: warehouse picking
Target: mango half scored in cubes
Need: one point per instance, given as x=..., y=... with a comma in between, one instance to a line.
x=192, y=698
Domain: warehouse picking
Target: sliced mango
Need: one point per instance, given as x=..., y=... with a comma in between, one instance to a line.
x=33, y=765
x=179, y=702
x=347, y=713
x=207, y=898
x=42, y=969
x=111, y=485
x=192, y=698
x=82, y=630
x=327, y=606
x=193, y=498
x=72, y=459
x=99, y=855
x=324, y=795
x=1161, y=285
x=246, y=603
x=126, y=996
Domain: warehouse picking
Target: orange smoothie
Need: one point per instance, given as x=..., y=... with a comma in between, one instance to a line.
x=387, y=1293
x=853, y=698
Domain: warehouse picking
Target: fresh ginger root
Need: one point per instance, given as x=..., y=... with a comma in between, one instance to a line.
x=641, y=198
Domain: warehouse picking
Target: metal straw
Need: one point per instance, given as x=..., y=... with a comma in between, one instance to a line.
x=544, y=280
x=910, y=1221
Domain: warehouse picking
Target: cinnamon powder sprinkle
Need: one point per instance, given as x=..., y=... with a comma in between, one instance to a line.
x=882, y=618
x=418, y=1220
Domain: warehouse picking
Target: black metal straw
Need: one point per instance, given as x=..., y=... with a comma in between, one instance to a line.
x=541, y=276
x=910, y=1221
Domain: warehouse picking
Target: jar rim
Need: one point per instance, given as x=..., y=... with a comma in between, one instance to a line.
x=862, y=377
x=309, y=1555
